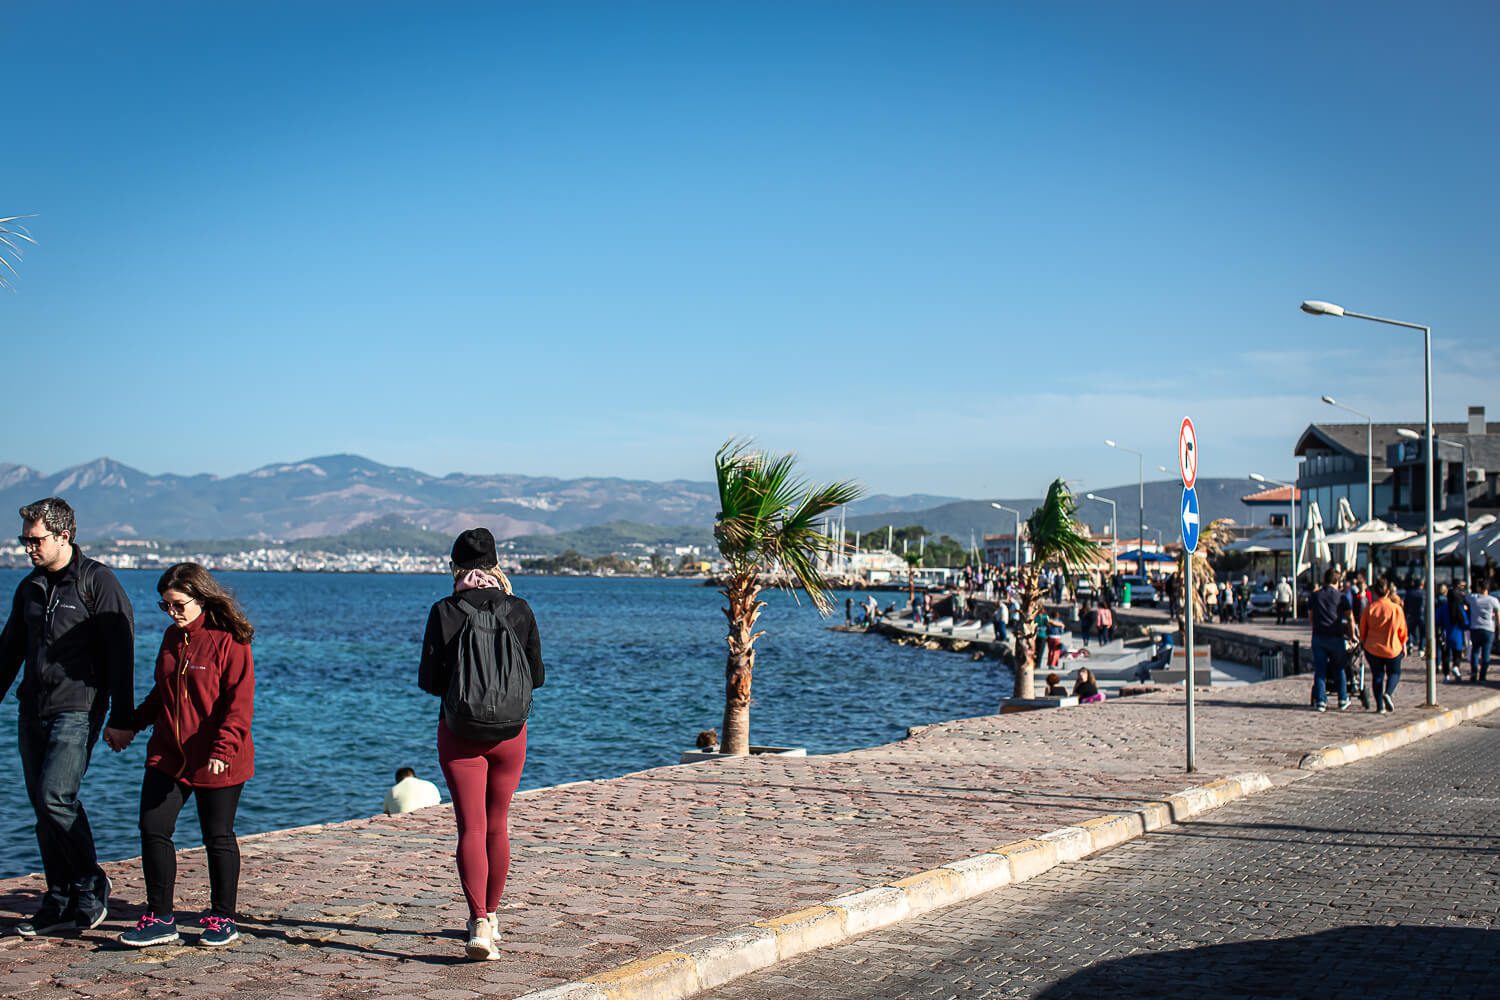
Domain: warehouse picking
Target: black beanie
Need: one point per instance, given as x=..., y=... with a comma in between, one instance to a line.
x=475, y=549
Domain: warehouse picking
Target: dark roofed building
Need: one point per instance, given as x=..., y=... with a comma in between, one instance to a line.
x=1334, y=459
x=1481, y=440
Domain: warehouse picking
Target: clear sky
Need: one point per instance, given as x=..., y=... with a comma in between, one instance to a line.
x=936, y=247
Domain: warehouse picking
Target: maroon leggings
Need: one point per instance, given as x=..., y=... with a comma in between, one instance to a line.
x=481, y=778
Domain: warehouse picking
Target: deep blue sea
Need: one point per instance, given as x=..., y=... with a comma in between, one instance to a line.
x=634, y=669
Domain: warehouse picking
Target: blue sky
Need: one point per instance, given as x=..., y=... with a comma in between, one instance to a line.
x=936, y=247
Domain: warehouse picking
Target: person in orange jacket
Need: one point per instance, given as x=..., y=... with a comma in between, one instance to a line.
x=1382, y=630
x=199, y=711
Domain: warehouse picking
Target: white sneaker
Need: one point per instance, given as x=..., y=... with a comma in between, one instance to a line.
x=494, y=919
x=481, y=945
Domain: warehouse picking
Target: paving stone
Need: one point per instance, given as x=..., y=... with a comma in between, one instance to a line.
x=610, y=871
x=1377, y=880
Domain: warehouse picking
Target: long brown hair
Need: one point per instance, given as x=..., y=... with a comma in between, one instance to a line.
x=220, y=609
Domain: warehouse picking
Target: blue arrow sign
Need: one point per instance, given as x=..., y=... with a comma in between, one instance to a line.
x=1190, y=520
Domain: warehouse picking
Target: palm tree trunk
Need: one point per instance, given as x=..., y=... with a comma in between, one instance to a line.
x=1025, y=656
x=742, y=613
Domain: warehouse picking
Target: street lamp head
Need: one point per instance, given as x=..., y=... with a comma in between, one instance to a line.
x=1110, y=443
x=1408, y=433
x=1257, y=477
x=996, y=506
x=1330, y=401
x=1091, y=496
x=1316, y=308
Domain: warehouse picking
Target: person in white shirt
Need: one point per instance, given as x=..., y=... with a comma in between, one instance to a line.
x=410, y=792
x=1483, y=610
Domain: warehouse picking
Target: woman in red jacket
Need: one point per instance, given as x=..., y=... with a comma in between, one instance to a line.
x=200, y=712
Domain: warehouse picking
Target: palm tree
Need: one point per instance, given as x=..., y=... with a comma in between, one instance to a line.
x=12, y=235
x=1055, y=536
x=768, y=520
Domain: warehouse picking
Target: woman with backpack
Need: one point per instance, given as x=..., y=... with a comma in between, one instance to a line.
x=200, y=713
x=482, y=656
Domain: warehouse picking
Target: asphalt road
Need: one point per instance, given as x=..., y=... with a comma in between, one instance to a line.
x=1377, y=879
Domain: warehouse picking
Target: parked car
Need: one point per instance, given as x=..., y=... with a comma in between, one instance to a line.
x=1141, y=591
x=1263, y=601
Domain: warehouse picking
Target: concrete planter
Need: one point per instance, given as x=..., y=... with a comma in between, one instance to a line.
x=694, y=756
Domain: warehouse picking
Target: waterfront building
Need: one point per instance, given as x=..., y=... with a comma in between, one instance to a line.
x=1334, y=464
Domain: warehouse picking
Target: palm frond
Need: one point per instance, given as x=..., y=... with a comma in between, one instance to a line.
x=1054, y=531
x=10, y=231
x=769, y=518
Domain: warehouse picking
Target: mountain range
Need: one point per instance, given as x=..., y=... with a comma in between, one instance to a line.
x=334, y=494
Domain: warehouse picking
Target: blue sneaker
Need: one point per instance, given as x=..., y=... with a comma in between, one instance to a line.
x=150, y=930
x=217, y=931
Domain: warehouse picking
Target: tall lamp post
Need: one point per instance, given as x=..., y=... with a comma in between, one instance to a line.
x=1016, y=548
x=1412, y=435
x=1317, y=308
x=1140, y=469
x=1369, y=454
x=1114, y=532
x=1296, y=567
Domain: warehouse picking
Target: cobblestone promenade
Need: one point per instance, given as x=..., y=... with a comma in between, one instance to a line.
x=609, y=871
x=1381, y=879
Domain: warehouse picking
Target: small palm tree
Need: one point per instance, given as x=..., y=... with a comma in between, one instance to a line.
x=768, y=521
x=12, y=235
x=1056, y=539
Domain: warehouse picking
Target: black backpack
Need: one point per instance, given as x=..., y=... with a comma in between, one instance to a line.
x=489, y=691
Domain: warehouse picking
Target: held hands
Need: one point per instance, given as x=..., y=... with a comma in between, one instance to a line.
x=217, y=766
x=117, y=739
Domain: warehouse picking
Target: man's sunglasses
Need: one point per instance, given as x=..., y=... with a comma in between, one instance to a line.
x=34, y=541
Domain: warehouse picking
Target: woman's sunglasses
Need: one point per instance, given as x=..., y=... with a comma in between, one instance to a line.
x=175, y=607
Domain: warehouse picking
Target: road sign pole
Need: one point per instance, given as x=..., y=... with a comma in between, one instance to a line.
x=1192, y=734
x=1189, y=523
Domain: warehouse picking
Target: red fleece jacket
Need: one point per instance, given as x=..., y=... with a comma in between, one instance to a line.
x=201, y=707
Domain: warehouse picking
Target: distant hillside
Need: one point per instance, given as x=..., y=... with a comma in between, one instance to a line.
x=604, y=539
x=1216, y=498
x=332, y=495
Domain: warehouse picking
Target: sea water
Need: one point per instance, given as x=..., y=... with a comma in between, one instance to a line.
x=635, y=668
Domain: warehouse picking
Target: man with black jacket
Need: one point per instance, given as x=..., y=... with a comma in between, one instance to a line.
x=72, y=625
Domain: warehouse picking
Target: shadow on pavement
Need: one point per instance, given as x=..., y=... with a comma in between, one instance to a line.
x=1360, y=961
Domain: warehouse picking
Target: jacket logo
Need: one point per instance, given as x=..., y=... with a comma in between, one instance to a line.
x=197, y=666
x=70, y=607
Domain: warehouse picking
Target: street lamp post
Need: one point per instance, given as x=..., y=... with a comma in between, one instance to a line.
x=1016, y=548
x=1317, y=308
x=1114, y=532
x=1296, y=567
x=1369, y=454
x=1407, y=432
x=1140, y=463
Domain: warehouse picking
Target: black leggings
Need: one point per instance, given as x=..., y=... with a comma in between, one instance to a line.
x=162, y=799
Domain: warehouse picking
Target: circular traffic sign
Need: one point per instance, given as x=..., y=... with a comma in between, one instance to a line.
x=1187, y=453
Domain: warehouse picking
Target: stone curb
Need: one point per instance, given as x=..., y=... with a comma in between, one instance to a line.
x=1370, y=746
x=714, y=960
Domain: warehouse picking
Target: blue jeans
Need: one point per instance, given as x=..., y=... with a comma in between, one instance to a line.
x=55, y=755
x=1480, y=643
x=1385, y=673
x=1328, y=664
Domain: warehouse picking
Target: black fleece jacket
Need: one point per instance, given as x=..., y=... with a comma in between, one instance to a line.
x=79, y=652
